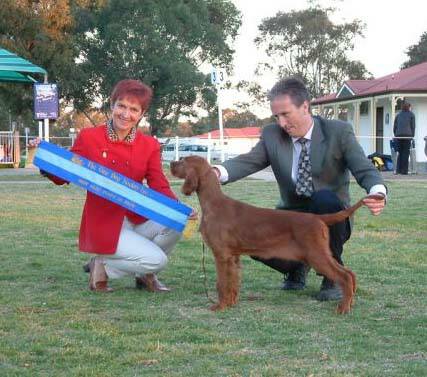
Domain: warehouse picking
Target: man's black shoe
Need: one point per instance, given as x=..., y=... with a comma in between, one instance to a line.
x=329, y=291
x=295, y=279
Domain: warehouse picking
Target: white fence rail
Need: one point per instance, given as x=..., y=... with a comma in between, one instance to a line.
x=7, y=148
x=12, y=144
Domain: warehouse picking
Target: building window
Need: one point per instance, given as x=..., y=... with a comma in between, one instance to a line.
x=364, y=108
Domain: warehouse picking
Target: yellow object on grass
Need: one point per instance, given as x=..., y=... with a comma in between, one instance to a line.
x=190, y=228
x=378, y=162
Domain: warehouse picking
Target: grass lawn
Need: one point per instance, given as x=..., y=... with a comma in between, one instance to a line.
x=51, y=325
x=21, y=178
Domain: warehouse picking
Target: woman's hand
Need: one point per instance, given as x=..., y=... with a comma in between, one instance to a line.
x=193, y=215
x=34, y=143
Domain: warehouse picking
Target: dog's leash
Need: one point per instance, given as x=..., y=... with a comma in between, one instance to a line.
x=204, y=274
x=187, y=233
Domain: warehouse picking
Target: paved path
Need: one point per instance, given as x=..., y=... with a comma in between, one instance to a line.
x=265, y=175
x=18, y=172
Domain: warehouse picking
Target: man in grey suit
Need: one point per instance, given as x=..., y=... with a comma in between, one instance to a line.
x=311, y=158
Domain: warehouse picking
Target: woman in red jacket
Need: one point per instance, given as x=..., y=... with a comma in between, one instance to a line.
x=125, y=243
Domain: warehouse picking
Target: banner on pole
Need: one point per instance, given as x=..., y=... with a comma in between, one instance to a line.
x=46, y=101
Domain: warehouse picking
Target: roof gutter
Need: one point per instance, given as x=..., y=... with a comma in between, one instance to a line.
x=350, y=99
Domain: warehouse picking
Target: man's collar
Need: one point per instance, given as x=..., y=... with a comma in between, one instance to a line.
x=307, y=135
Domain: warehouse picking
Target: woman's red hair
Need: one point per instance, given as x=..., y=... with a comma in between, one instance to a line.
x=134, y=89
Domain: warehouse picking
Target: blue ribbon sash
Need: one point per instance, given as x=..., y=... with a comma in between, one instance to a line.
x=112, y=186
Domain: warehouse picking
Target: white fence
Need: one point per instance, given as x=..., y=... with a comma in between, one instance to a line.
x=176, y=151
x=11, y=145
x=9, y=148
x=177, y=148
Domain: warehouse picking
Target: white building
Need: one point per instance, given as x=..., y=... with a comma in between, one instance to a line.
x=236, y=140
x=371, y=106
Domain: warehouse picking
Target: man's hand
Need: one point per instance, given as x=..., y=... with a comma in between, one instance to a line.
x=217, y=172
x=375, y=203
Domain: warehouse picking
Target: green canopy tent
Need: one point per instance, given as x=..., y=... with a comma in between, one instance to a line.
x=14, y=69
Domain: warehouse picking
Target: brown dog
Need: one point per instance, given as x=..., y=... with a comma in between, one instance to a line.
x=231, y=228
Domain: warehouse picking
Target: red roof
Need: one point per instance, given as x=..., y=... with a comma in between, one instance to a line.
x=243, y=133
x=412, y=79
x=325, y=98
x=360, y=85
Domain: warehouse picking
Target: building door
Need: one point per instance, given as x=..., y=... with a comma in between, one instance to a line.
x=379, y=141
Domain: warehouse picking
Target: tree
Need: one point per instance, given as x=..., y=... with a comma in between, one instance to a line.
x=309, y=45
x=205, y=124
x=231, y=119
x=42, y=32
x=88, y=45
x=164, y=43
x=417, y=53
x=234, y=119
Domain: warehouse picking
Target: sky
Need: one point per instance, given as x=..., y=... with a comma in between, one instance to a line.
x=391, y=27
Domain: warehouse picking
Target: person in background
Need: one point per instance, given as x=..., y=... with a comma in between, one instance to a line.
x=123, y=242
x=311, y=158
x=404, y=131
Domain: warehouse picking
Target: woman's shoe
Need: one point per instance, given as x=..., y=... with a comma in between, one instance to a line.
x=98, y=279
x=150, y=283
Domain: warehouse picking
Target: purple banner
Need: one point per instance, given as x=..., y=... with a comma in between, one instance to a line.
x=46, y=101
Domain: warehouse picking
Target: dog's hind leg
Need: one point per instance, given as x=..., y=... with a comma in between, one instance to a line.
x=347, y=272
x=345, y=279
x=353, y=276
x=329, y=267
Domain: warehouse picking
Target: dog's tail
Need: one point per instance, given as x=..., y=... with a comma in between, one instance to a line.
x=333, y=218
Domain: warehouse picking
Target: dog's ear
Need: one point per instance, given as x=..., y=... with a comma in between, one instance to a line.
x=191, y=182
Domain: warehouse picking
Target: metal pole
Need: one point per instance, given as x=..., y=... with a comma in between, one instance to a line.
x=208, y=157
x=46, y=121
x=26, y=143
x=373, y=125
x=357, y=118
x=393, y=150
x=176, y=148
x=46, y=129
x=218, y=79
x=221, y=129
